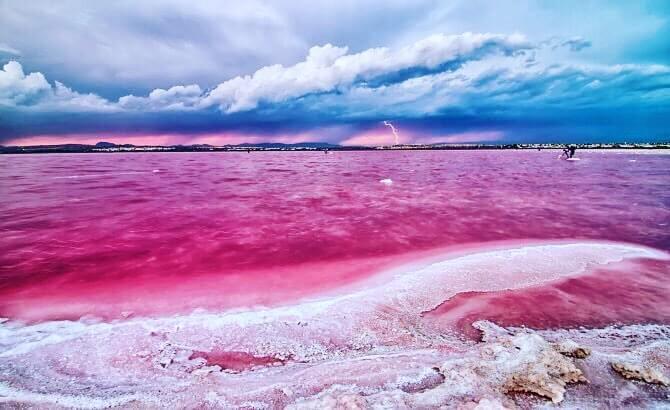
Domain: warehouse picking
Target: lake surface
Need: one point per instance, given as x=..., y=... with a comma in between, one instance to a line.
x=110, y=234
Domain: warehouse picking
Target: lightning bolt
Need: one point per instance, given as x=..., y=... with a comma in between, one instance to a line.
x=394, y=130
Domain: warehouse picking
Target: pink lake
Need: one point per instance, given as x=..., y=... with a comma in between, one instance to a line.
x=118, y=235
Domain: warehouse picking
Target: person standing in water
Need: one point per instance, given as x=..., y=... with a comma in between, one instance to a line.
x=569, y=151
x=572, y=149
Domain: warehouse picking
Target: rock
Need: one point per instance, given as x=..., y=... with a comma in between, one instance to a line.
x=650, y=363
x=544, y=372
x=572, y=349
x=528, y=363
x=640, y=372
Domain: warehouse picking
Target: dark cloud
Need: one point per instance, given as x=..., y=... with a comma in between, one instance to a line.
x=549, y=104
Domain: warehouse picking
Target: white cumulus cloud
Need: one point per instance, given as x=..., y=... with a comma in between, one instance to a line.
x=328, y=68
x=18, y=88
x=179, y=97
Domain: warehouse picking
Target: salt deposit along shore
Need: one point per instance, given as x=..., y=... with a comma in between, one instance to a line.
x=368, y=347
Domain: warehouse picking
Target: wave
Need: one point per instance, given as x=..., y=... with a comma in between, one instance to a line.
x=106, y=174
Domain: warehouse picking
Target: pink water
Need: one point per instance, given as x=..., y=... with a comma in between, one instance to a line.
x=119, y=235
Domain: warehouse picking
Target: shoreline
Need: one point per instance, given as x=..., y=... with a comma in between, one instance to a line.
x=366, y=345
x=345, y=279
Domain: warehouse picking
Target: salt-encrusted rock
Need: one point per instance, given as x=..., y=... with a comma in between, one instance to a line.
x=572, y=349
x=526, y=362
x=540, y=369
x=166, y=355
x=640, y=372
x=491, y=332
x=176, y=358
x=649, y=363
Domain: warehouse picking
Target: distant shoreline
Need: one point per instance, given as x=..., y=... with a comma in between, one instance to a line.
x=309, y=147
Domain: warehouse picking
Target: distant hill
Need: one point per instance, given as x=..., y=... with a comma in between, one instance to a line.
x=63, y=148
x=104, y=144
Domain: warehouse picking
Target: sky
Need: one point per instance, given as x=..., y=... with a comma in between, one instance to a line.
x=196, y=72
